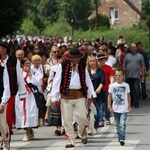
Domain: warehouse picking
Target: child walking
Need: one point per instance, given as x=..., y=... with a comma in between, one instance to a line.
x=119, y=93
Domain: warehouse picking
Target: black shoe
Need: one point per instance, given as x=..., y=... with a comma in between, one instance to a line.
x=144, y=97
x=69, y=146
x=58, y=132
x=122, y=142
x=11, y=132
x=63, y=132
x=136, y=105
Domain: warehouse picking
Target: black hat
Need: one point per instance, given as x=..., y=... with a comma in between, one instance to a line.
x=74, y=54
x=101, y=56
x=5, y=44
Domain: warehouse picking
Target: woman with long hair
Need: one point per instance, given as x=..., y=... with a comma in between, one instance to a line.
x=98, y=80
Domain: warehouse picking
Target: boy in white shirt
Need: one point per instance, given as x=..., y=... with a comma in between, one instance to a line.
x=119, y=93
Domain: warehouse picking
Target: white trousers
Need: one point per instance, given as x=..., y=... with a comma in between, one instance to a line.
x=78, y=107
x=3, y=126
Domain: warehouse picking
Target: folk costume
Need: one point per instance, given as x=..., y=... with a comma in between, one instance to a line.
x=16, y=83
x=4, y=97
x=26, y=111
x=73, y=84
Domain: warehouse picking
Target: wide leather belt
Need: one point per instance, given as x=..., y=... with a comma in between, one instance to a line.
x=73, y=94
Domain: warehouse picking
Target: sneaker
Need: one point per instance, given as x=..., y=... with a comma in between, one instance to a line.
x=122, y=142
x=108, y=122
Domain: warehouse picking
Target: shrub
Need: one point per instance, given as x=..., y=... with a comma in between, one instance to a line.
x=103, y=21
x=61, y=27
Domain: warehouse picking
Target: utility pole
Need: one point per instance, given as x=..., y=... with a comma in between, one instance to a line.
x=96, y=10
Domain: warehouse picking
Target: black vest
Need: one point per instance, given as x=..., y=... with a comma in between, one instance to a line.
x=12, y=72
x=66, y=76
x=1, y=82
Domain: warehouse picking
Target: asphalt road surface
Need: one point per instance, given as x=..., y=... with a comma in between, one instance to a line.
x=137, y=138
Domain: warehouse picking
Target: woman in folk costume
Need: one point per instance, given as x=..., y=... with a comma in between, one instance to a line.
x=26, y=110
x=37, y=71
x=52, y=73
x=52, y=61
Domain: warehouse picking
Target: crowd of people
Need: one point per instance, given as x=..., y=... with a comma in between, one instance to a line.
x=84, y=81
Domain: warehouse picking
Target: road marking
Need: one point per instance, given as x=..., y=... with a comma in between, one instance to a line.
x=103, y=129
x=129, y=145
x=59, y=146
x=16, y=145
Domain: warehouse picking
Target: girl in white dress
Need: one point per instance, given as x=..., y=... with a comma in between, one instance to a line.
x=26, y=110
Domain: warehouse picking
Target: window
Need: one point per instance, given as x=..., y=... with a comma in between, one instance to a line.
x=114, y=14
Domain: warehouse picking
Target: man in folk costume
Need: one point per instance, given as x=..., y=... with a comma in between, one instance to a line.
x=4, y=97
x=73, y=84
x=16, y=80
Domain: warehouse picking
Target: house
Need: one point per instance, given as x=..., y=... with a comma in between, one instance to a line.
x=122, y=13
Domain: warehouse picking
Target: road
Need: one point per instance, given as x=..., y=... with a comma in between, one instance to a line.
x=137, y=138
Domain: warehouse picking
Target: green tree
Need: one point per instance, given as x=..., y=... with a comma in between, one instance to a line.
x=42, y=12
x=61, y=27
x=48, y=10
x=77, y=12
x=28, y=27
x=11, y=13
x=146, y=7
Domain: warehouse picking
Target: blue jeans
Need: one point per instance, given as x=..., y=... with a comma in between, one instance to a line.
x=134, y=84
x=104, y=107
x=120, y=120
x=97, y=117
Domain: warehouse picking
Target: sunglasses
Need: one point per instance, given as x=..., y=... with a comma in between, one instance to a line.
x=55, y=51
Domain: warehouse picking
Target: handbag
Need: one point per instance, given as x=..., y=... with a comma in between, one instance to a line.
x=39, y=98
x=54, y=117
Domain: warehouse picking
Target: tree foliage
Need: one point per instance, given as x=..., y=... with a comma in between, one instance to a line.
x=61, y=27
x=28, y=27
x=11, y=13
x=103, y=21
x=47, y=12
x=77, y=12
x=146, y=7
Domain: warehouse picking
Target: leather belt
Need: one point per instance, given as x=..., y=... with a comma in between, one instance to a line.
x=73, y=94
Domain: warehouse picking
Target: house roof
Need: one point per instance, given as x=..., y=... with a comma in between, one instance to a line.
x=135, y=8
x=132, y=7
